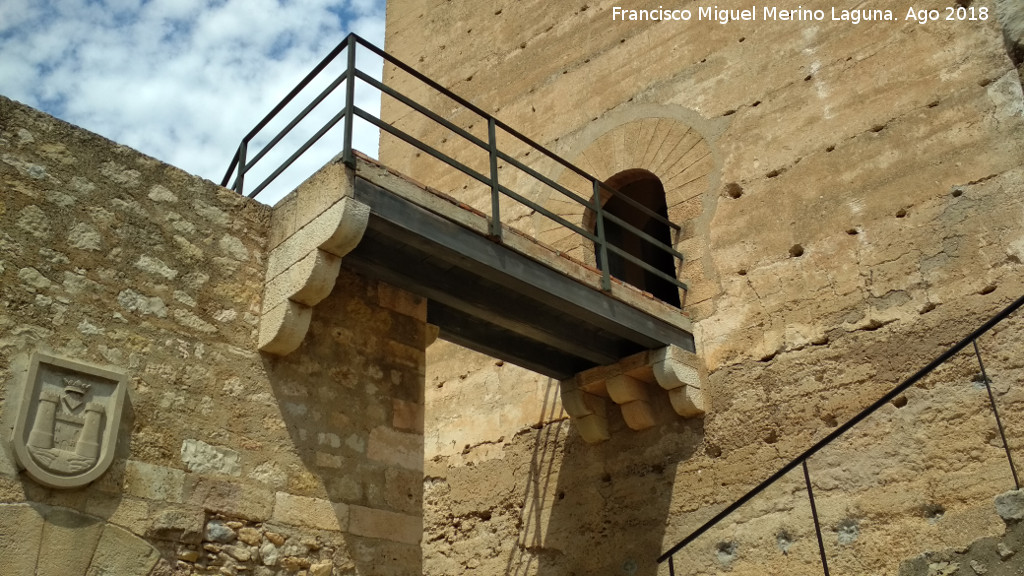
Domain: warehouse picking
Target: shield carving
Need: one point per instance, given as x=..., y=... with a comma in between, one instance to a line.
x=66, y=428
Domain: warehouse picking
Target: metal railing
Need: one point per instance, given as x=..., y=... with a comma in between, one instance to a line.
x=242, y=163
x=801, y=460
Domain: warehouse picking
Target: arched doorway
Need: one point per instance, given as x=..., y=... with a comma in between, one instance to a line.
x=646, y=189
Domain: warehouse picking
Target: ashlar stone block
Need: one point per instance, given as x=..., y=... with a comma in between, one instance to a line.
x=309, y=512
x=21, y=529
x=385, y=525
x=624, y=389
x=302, y=271
x=587, y=412
x=390, y=446
x=122, y=553
x=283, y=328
x=638, y=414
x=69, y=539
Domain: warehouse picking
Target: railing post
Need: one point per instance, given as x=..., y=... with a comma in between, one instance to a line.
x=995, y=411
x=350, y=102
x=814, y=515
x=492, y=141
x=602, y=242
x=239, y=180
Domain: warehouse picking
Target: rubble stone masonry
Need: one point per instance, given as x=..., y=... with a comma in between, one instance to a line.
x=229, y=461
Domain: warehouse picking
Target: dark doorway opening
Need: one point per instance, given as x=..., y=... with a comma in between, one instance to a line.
x=646, y=189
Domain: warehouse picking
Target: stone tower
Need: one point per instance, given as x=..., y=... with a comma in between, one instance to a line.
x=849, y=202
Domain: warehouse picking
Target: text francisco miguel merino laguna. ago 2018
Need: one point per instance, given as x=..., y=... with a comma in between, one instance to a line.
x=769, y=13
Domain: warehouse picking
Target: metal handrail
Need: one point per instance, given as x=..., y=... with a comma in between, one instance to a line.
x=801, y=460
x=241, y=163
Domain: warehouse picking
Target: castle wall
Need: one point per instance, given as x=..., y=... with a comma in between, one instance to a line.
x=857, y=211
x=228, y=461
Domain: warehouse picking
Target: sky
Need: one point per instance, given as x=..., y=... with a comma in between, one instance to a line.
x=184, y=80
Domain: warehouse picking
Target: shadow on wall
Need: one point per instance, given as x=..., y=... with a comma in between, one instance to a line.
x=600, y=509
x=351, y=399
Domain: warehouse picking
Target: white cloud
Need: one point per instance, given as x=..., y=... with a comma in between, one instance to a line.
x=182, y=80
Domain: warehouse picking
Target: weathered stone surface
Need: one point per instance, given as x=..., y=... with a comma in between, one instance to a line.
x=250, y=536
x=402, y=301
x=624, y=389
x=39, y=539
x=121, y=552
x=1011, y=17
x=638, y=414
x=234, y=499
x=385, y=525
x=70, y=540
x=832, y=248
x=321, y=569
x=218, y=531
x=310, y=512
x=204, y=458
x=154, y=482
x=21, y=530
x=306, y=282
x=283, y=328
x=393, y=447
x=116, y=258
x=1010, y=505
x=183, y=525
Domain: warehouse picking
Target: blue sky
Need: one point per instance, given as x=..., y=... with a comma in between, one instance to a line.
x=180, y=80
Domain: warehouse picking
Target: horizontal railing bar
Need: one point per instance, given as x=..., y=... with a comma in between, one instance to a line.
x=298, y=88
x=549, y=214
x=941, y=359
x=643, y=235
x=589, y=235
x=422, y=146
x=421, y=109
x=643, y=209
x=645, y=265
x=573, y=196
x=511, y=131
x=287, y=99
x=422, y=78
x=242, y=168
x=508, y=192
x=543, y=179
x=291, y=159
x=299, y=118
x=473, y=173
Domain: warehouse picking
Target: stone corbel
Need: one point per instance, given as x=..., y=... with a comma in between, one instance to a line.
x=682, y=374
x=631, y=395
x=301, y=272
x=633, y=384
x=586, y=410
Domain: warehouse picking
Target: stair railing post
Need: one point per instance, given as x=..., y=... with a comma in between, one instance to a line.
x=350, y=103
x=239, y=180
x=492, y=142
x=602, y=241
x=814, y=515
x=995, y=412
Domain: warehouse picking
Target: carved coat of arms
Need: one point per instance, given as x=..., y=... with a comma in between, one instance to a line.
x=66, y=429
